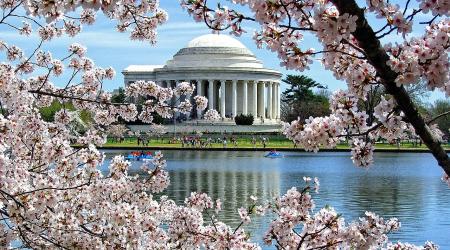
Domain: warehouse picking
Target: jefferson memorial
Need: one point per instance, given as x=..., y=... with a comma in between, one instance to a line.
x=226, y=72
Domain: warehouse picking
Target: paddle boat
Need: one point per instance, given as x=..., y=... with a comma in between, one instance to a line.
x=131, y=157
x=147, y=156
x=274, y=154
x=137, y=156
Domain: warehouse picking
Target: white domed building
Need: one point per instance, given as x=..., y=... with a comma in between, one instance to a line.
x=226, y=72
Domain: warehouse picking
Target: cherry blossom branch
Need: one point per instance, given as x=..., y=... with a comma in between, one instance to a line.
x=410, y=17
x=11, y=26
x=277, y=240
x=62, y=96
x=10, y=12
x=406, y=7
x=212, y=220
x=134, y=18
x=28, y=18
x=51, y=241
x=431, y=21
x=100, y=235
x=24, y=238
x=337, y=51
x=241, y=17
x=382, y=28
x=371, y=129
x=39, y=92
x=31, y=56
x=326, y=246
x=377, y=56
x=327, y=225
x=354, y=46
x=12, y=197
x=249, y=211
x=56, y=188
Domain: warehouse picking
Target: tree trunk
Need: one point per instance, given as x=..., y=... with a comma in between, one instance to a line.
x=378, y=57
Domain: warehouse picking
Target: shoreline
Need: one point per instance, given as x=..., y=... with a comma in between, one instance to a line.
x=282, y=149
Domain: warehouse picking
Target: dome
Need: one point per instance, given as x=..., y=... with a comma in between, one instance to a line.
x=215, y=40
x=214, y=51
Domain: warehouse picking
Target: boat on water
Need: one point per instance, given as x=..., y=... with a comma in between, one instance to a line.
x=273, y=154
x=137, y=156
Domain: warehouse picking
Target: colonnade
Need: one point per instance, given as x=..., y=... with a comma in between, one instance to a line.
x=259, y=98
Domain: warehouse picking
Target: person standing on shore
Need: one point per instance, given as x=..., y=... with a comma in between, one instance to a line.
x=234, y=141
x=264, y=142
x=254, y=141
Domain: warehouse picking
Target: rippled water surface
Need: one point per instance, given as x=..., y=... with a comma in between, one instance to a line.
x=402, y=185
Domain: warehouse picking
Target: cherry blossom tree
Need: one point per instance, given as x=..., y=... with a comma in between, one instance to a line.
x=357, y=52
x=212, y=115
x=157, y=131
x=117, y=131
x=53, y=195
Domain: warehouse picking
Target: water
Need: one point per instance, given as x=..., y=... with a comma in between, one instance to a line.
x=402, y=185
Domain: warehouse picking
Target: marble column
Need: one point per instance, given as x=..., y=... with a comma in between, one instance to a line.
x=234, y=99
x=211, y=94
x=274, y=100
x=222, y=98
x=264, y=97
x=278, y=101
x=177, y=98
x=261, y=100
x=255, y=99
x=190, y=98
x=244, y=97
x=269, y=101
x=199, y=93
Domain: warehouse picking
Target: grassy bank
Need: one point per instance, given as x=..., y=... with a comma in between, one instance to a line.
x=278, y=143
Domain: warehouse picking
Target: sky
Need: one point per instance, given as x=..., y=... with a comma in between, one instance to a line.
x=110, y=48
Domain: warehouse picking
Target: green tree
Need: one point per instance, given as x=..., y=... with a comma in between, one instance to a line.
x=119, y=96
x=300, y=88
x=373, y=97
x=418, y=93
x=48, y=113
x=304, y=98
x=439, y=110
x=244, y=119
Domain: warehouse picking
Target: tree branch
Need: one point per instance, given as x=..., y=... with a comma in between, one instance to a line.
x=56, y=188
x=431, y=21
x=437, y=117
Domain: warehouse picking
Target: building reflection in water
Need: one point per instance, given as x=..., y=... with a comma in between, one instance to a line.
x=231, y=177
x=233, y=187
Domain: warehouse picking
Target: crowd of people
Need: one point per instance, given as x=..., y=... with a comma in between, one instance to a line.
x=196, y=141
x=192, y=140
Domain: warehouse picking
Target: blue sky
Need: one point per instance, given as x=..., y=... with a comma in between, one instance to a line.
x=110, y=48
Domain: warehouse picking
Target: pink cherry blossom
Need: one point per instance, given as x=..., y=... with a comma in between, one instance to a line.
x=211, y=115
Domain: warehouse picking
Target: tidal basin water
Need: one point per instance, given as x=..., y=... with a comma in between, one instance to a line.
x=402, y=185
